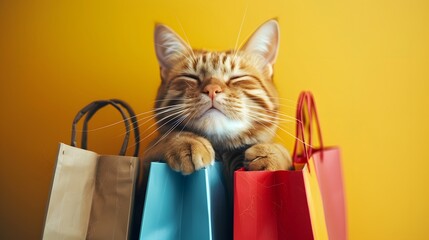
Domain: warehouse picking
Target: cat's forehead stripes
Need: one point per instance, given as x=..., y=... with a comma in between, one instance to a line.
x=212, y=63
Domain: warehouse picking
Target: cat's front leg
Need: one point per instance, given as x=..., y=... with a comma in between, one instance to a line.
x=267, y=156
x=184, y=152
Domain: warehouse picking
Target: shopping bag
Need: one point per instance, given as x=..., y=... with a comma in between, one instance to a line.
x=270, y=205
x=92, y=195
x=191, y=207
x=324, y=169
x=282, y=204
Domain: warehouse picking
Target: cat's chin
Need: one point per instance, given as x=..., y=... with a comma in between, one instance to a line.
x=212, y=117
x=215, y=123
x=213, y=113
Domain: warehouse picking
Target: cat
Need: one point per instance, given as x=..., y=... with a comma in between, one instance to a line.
x=219, y=105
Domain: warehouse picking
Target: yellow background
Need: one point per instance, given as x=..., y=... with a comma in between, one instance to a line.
x=366, y=61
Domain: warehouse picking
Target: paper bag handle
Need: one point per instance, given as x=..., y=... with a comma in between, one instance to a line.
x=132, y=118
x=92, y=108
x=306, y=113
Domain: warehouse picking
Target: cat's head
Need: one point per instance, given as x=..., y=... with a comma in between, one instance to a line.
x=226, y=96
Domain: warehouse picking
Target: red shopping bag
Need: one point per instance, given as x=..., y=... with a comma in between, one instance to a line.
x=327, y=165
x=270, y=205
x=306, y=203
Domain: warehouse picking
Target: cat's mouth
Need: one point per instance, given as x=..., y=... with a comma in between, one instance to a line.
x=213, y=111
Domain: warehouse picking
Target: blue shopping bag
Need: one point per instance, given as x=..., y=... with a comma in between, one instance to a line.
x=192, y=207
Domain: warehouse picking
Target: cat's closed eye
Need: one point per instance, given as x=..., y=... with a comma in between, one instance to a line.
x=248, y=80
x=189, y=77
x=237, y=77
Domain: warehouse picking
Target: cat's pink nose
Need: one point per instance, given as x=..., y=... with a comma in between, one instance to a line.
x=212, y=90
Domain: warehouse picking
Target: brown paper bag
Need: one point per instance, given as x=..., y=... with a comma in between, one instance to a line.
x=92, y=195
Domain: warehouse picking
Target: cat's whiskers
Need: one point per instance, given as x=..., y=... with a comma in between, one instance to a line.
x=291, y=102
x=190, y=116
x=274, y=132
x=125, y=119
x=276, y=122
x=169, y=99
x=282, y=129
x=286, y=99
x=169, y=107
x=289, y=105
x=272, y=119
x=236, y=49
x=173, y=117
x=185, y=116
x=292, y=119
x=175, y=109
x=167, y=132
x=153, y=116
x=187, y=39
x=169, y=119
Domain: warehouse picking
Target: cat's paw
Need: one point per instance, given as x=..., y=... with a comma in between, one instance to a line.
x=188, y=153
x=267, y=156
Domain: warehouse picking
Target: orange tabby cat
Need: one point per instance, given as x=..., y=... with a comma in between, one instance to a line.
x=217, y=105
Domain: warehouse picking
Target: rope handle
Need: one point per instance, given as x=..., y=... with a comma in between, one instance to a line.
x=90, y=109
x=306, y=115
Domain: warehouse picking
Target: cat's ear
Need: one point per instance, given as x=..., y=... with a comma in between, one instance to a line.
x=169, y=46
x=264, y=41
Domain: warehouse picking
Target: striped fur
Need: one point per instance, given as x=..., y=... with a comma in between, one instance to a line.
x=214, y=102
